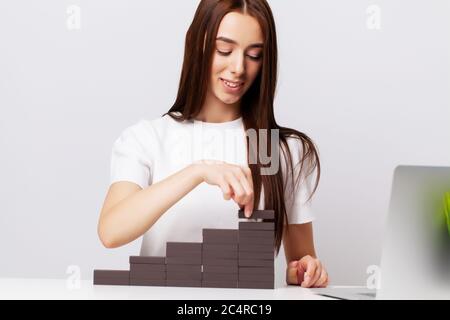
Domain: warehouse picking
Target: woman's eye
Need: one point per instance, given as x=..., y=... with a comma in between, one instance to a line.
x=256, y=58
x=223, y=53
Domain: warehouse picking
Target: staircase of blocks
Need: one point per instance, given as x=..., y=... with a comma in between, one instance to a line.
x=227, y=258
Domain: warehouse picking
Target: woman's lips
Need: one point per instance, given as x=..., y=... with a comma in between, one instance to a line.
x=229, y=86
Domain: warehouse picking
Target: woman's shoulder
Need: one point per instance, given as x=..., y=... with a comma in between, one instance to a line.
x=299, y=149
x=143, y=136
x=152, y=129
x=153, y=124
x=294, y=144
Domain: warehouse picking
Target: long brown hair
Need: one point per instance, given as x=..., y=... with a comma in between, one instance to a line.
x=256, y=104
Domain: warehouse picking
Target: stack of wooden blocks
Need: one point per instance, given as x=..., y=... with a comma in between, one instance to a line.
x=226, y=258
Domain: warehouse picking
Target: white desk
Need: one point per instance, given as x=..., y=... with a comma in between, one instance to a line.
x=13, y=288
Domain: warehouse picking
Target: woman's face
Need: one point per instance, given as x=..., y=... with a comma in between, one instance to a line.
x=237, y=58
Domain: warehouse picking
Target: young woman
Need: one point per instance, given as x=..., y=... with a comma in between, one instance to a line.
x=165, y=173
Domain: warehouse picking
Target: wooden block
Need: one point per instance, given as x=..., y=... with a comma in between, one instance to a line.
x=111, y=281
x=220, y=276
x=184, y=260
x=183, y=268
x=184, y=254
x=256, y=247
x=255, y=263
x=220, y=262
x=256, y=255
x=220, y=240
x=245, y=225
x=257, y=277
x=220, y=236
x=257, y=270
x=184, y=283
x=220, y=269
x=220, y=232
x=257, y=233
x=256, y=240
x=111, y=277
x=147, y=282
x=220, y=247
x=183, y=246
x=148, y=275
x=140, y=268
x=220, y=254
x=184, y=276
x=258, y=214
x=219, y=284
x=112, y=274
x=147, y=260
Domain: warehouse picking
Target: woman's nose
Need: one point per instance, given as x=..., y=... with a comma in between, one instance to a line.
x=238, y=65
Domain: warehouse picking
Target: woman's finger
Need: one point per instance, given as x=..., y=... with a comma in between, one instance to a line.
x=248, y=201
x=226, y=189
x=248, y=175
x=291, y=274
x=244, y=183
x=311, y=267
x=317, y=274
x=323, y=279
x=238, y=190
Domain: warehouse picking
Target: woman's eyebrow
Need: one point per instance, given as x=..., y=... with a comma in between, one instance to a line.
x=255, y=45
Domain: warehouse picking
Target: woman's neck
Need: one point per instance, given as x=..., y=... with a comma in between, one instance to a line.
x=216, y=111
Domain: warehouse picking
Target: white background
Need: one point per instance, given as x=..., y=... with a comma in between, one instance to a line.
x=370, y=99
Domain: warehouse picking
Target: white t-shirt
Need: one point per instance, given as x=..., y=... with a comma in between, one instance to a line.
x=151, y=150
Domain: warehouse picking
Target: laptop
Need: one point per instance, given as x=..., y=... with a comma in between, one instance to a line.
x=415, y=259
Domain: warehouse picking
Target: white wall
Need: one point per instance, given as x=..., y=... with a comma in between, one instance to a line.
x=371, y=99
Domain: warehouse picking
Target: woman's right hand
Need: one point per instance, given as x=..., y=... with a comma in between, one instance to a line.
x=235, y=182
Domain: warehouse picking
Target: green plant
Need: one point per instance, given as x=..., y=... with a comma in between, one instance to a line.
x=447, y=210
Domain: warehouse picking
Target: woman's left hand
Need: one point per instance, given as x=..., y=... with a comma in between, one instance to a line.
x=308, y=272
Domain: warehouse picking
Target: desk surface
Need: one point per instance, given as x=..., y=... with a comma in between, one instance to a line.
x=18, y=288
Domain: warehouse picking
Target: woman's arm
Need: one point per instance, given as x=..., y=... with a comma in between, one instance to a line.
x=129, y=211
x=303, y=267
x=298, y=241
